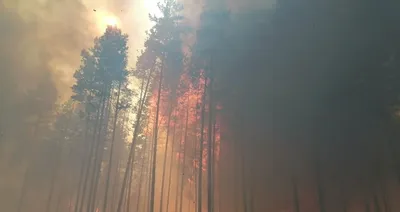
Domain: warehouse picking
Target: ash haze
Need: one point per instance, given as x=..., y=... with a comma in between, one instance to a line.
x=207, y=106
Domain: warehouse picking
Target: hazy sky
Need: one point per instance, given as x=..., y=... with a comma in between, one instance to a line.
x=42, y=36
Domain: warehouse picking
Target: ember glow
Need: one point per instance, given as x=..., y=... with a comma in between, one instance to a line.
x=203, y=105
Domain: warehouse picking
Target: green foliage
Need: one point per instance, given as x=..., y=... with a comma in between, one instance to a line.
x=103, y=67
x=110, y=51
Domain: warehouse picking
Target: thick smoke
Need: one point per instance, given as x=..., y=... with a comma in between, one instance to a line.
x=40, y=44
x=40, y=38
x=306, y=94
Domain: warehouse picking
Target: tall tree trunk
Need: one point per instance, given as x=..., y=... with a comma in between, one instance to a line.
x=57, y=165
x=178, y=176
x=129, y=197
x=165, y=159
x=98, y=142
x=195, y=158
x=320, y=191
x=244, y=186
x=184, y=157
x=194, y=174
x=53, y=179
x=110, y=159
x=210, y=199
x=87, y=146
x=251, y=193
x=200, y=174
x=91, y=153
x=133, y=144
x=376, y=203
x=235, y=175
x=28, y=169
x=99, y=158
x=170, y=167
x=384, y=198
x=148, y=172
x=251, y=178
x=214, y=161
x=126, y=197
x=296, y=203
x=343, y=196
x=148, y=181
x=155, y=142
x=142, y=170
x=2, y=108
x=367, y=207
x=221, y=160
x=139, y=189
x=59, y=200
x=115, y=185
x=220, y=184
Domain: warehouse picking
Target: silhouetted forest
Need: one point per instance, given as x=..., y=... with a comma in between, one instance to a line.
x=253, y=106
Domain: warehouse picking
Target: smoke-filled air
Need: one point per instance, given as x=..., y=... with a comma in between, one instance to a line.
x=199, y=106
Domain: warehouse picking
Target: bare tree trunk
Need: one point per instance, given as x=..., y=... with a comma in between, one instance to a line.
x=133, y=144
x=367, y=207
x=56, y=166
x=214, y=161
x=89, y=161
x=59, y=200
x=131, y=174
x=87, y=146
x=195, y=170
x=384, y=198
x=155, y=142
x=165, y=159
x=92, y=152
x=376, y=203
x=244, y=186
x=97, y=146
x=210, y=199
x=53, y=179
x=184, y=157
x=28, y=169
x=178, y=175
x=343, y=197
x=321, y=198
x=110, y=160
x=235, y=175
x=99, y=159
x=170, y=167
x=148, y=181
x=128, y=197
x=2, y=108
x=142, y=170
x=115, y=184
x=141, y=178
x=251, y=196
x=296, y=203
x=200, y=176
x=219, y=171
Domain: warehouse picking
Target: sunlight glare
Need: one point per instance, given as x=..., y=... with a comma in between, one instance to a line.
x=105, y=19
x=151, y=7
x=110, y=20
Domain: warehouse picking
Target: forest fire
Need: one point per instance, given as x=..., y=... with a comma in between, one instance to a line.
x=248, y=107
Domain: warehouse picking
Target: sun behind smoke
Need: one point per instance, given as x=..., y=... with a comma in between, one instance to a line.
x=110, y=20
x=105, y=19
